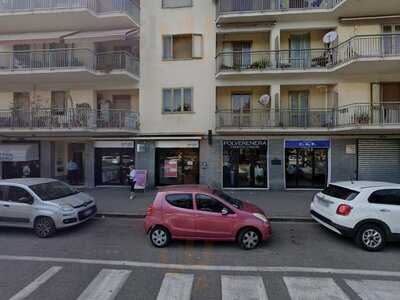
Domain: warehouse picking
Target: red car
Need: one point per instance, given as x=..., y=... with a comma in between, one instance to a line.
x=202, y=213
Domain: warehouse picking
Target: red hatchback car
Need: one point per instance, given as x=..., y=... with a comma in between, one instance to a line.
x=202, y=213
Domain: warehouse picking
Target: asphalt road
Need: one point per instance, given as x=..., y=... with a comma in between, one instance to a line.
x=113, y=259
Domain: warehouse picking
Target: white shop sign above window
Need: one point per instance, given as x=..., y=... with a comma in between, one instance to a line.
x=114, y=144
x=177, y=144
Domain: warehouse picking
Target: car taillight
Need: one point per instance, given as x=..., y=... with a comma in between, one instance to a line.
x=150, y=210
x=344, y=209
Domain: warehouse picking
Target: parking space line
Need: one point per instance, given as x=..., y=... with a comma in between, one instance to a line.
x=305, y=288
x=34, y=285
x=243, y=288
x=375, y=289
x=176, y=287
x=106, y=285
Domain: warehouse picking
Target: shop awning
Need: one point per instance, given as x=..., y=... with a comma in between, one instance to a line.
x=35, y=37
x=101, y=36
x=19, y=152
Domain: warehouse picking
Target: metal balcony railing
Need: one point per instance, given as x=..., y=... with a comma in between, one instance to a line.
x=68, y=119
x=363, y=114
x=130, y=7
x=246, y=6
x=68, y=59
x=357, y=47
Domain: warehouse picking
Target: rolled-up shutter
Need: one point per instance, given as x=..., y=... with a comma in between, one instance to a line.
x=379, y=160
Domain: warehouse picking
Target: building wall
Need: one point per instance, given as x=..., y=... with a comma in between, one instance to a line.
x=224, y=95
x=147, y=161
x=260, y=40
x=347, y=31
x=354, y=92
x=157, y=74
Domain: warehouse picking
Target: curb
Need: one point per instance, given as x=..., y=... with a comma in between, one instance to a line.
x=142, y=216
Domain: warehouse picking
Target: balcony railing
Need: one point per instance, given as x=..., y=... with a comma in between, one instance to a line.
x=363, y=46
x=130, y=7
x=246, y=6
x=363, y=114
x=84, y=119
x=68, y=59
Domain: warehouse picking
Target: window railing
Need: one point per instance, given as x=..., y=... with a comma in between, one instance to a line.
x=246, y=6
x=362, y=114
x=130, y=7
x=68, y=119
x=68, y=59
x=357, y=47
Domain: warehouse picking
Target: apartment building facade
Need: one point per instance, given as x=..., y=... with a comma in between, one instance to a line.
x=251, y=94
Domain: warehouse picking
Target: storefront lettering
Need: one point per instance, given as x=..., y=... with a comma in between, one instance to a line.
x=6, y=156
x=243, y=144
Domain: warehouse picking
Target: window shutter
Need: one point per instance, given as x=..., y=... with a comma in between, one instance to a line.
x=197, y=48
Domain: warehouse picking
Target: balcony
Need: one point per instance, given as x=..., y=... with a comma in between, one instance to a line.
x=354, y=116
x=67, y=65
x=358, y=49
x=42, y=15
x=68, y=120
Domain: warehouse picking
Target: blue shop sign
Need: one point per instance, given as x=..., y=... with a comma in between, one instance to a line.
x=307, y=144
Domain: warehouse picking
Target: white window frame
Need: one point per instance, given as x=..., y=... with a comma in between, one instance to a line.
x=195, y=37
x=181, y=91
x=184, y=3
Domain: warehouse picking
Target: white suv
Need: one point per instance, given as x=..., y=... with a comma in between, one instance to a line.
x=367, y=211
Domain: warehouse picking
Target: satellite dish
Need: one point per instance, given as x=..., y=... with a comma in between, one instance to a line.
x=330, y=37
x=264, y=100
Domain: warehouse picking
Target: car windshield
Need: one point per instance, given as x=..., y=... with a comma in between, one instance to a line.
x=235, y=202
x=52, y=190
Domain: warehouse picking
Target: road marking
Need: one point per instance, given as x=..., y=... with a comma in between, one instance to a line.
x=243, y=288
x=176, y=287
x=34, y=285
x=304, y=288
x=137, y=264
x=106, y=285
x=375, y=289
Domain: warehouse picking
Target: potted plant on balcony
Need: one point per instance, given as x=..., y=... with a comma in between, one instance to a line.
x=261, y=64
x=362, y=118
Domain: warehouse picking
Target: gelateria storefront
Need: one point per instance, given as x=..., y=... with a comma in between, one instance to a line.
x=245, y=164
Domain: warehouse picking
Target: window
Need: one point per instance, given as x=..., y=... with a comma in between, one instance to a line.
x=3, y=193
x=185, y=46
x=19, y=195
x=59, y=102
x=389, y=197
x=177, y=100
x=340, y=192
x=181, y=200
x=208, y=204
x=176, y=3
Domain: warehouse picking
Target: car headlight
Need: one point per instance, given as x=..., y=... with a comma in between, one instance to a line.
x=261, y=217
x=67, y=209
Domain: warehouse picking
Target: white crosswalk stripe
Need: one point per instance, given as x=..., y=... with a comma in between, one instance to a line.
x=243, y=288
x=305, y=288
x=106, y=285
x=34, y=285
x=176, y=287
x=375, y=289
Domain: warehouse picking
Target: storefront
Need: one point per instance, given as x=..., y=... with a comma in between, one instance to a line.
x=112, y=161
x=245, y=164
x=306, y=164
x=20, y=160
x=177, y=162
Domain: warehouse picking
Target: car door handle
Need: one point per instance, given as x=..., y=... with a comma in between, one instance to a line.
x=385, y=210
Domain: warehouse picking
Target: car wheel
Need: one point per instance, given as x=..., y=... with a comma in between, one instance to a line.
x=371, y=237
x=160, y=237
x=249, y=239
x=44, y=227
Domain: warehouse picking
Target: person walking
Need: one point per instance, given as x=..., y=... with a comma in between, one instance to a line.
x=72, y=169
x=132, y=181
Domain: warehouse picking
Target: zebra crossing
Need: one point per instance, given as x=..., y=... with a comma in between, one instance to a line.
x=107, y=285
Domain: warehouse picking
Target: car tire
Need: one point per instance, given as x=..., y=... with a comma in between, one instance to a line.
x=371, y=237
x=160, y=237
x=249, y=238
x=44, y=227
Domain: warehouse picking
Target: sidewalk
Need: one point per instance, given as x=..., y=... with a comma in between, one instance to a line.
x=276, y=204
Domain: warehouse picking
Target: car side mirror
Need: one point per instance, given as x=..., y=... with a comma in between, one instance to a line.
x=224, y=212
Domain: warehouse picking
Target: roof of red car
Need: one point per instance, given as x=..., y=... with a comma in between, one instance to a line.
x=185, y=188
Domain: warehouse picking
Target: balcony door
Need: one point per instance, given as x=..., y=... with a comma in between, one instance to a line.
x=299, y=50
x=237, y=55
x=390, y=102
x=241, y=109
x=299, y=108
x=21, y=57
x=391, y=42
x=21, y=103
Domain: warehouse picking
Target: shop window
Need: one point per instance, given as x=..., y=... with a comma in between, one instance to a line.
x=177, y=100
x=180, y=200
x=176, y=3
x=208, y=204
x=185, y=46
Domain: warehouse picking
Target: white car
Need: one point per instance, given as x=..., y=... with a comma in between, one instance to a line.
x=43, y=204
x=369, y=212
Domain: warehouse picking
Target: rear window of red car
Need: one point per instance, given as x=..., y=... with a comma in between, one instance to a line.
x=180, y=200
